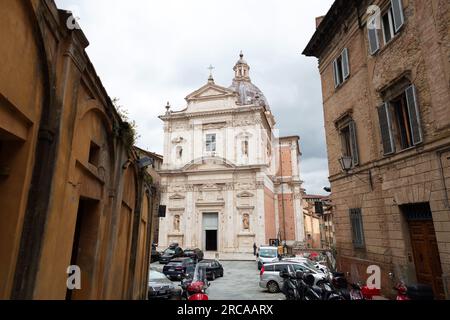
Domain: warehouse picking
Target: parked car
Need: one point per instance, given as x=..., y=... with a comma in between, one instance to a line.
x=195, y=254
x=155, y=254
x=174, y=251
x=267, y=254
x=179, y=268
x=270, y=274
x=311, y=264
x=159, y=287
x=214, y=269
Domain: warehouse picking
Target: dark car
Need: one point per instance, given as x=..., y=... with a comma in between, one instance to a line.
x=174, y=251
x=178, y=268
x=195, y=254
x=155, y=254
x=159, y=287
x=214, y=269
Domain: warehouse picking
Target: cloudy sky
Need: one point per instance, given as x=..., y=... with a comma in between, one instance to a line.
x=148, y=52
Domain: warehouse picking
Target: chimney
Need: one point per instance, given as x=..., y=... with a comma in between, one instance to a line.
x=319, y=20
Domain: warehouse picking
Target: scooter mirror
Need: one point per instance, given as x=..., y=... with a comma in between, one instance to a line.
x=391, y=275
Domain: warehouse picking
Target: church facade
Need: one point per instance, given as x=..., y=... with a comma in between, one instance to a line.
x=227, y=180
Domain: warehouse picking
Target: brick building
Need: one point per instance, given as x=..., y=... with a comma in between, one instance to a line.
x=385, y=81
x=72, y=191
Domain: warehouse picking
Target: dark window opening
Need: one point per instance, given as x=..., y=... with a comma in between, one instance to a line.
x=94, y=154
x=402, y=122
x=346, y=148
x=388, y=26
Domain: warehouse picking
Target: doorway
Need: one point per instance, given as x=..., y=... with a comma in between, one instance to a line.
x=211, y=231
x=424, y=246
x=84, y=247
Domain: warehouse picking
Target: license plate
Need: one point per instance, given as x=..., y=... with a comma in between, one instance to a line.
x=162, y=292
x=171, y=270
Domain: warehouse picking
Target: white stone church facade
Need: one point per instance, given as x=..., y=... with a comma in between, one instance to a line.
x=227, y=180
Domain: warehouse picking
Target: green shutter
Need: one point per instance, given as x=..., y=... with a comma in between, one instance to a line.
x=414, y=115
x=386, y=129
x=354, y=143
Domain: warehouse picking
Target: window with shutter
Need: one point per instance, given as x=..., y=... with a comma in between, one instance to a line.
x=347, y=131
x=374, y=43
x=357, y=228
x=414, y=117
x=400, y=122
x=341, y=68
x=386, y=129
x=335, y=74
x=345, y=64
x=397, y=11
x=354, y=143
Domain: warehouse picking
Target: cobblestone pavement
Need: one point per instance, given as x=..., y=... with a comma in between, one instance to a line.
x=240, y=282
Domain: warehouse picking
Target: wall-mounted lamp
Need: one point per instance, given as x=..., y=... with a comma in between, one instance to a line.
x=347, y=164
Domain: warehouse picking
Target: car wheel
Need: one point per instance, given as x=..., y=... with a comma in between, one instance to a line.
x=273, y=287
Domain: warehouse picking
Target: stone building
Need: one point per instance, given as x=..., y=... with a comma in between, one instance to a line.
x=156, y=185
x=385, y=81
x=223, y=183
x=71, y=189
x=319, y=227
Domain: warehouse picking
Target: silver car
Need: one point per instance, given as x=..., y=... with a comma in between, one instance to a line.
x=160, y=287
x=270, y=274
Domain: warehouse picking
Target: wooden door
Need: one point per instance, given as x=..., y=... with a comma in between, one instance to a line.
x=426, y=256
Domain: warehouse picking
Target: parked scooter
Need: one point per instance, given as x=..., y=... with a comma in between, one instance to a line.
x=301, y=286
x=413, y=292
x=195, y=286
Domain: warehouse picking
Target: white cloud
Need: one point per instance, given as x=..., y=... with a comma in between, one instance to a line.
x=148, y=52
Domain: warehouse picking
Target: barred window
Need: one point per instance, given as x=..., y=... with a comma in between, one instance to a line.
x=357, y=228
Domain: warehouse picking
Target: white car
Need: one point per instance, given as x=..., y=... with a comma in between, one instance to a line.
x=311, y=264
x=270, y=274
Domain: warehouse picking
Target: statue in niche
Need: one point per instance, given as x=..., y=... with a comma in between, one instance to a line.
x=176, y=223
x=246, y=222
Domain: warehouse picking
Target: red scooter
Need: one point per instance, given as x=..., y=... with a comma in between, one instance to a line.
x=413, y=292
x=195, y=287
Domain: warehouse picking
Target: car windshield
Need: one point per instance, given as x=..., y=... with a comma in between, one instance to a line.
x=169, y=251
x=206, y=264
x=155, y=275
x=268, y=253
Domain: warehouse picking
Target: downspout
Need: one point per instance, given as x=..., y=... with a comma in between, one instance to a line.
x=282, y=191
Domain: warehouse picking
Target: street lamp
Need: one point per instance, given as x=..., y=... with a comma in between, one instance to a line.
x=346, y=163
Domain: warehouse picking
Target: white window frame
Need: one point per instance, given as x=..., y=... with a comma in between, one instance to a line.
x=211, y=144
x=390, y=14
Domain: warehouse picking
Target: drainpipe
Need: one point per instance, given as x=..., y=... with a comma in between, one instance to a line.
x=282, y=192
x=439, y=154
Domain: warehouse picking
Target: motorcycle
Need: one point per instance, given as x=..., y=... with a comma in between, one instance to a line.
x=194, y=287
x=290, y=285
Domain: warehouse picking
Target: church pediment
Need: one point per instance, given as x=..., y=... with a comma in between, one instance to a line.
x=245, y=194
x=209, y=163
x=210, y=91
x=177, y=197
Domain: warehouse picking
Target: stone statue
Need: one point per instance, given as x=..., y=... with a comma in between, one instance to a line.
x=176, y=223
x=246, y=222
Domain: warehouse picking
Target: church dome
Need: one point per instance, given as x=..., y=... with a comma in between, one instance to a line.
x=248, y=93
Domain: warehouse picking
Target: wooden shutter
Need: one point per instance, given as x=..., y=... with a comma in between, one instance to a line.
x=386, y=129
x=374, y=43
x=335, y=74
x=345, y=64
x=414, y=115
x=354, y=143
x=397, y=12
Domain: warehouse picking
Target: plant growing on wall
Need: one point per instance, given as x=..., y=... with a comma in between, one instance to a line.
x=127, y=130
